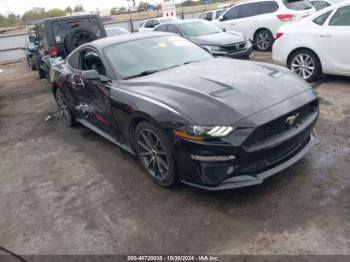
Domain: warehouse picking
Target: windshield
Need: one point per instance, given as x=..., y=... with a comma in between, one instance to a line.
x=198, y=28
x=149, y=55
x=297, y=4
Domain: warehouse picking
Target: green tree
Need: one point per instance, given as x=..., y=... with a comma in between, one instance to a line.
x=114, y=11
x=55, y=12
x=78, y=8
x=35, y=14
x=142, y=6
x=68, y=10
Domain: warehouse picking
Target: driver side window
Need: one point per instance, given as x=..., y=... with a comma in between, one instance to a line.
x=234, y=13
x=90, y=60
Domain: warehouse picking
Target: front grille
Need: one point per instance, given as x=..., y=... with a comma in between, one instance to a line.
x=279, y=130
x=234, y=47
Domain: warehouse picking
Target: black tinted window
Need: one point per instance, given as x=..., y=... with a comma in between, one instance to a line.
x=268, y=7
x=210, y=16
x=173, y=29
x=162, y=28
x=322, y=18
x=149, y=24
x=249, y=10
x=233, y=13
x=320, y=5
x=341, y=17
x=297, y=4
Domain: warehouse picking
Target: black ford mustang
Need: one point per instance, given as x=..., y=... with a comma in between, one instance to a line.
x=214, y=123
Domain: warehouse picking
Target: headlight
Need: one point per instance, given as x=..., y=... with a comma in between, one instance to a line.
x=212, y=48
x=200, y=132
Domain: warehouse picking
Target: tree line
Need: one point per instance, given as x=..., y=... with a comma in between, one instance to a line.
x=35, y=14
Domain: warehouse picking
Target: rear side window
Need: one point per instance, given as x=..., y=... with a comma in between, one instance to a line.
x=174, y=29
x=253, y=9
x=322, y=18
x=268, y=7
x=341, y=17
x=161, y=28
x=320, y=5
x=297, y=5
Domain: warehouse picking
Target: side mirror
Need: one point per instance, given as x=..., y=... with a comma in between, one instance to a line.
x=90, y=75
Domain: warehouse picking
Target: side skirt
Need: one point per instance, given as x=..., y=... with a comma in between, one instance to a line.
x=105, y=135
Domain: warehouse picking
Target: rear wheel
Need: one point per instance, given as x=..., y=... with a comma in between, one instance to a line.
x=306, y=64
x=155, y=153
x=263, y=40
x=41, y=71
x=63, y=108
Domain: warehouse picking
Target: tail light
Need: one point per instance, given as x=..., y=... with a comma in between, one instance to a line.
x=53, y=51
x=285, y=17
x=278, y=35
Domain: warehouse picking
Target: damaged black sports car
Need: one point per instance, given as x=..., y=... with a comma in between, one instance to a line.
x=214, y=123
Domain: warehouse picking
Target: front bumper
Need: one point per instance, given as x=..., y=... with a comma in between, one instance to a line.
x=250, y=180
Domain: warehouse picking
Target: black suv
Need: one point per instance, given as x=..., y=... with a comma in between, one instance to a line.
x=58, y=37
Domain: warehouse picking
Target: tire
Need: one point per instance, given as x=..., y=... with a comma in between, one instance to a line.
x=33, y=66
x=152, y=143
x=41, y=72
x=63, y=109
x=263, y=40
x=305, y=64
x=77, y=37
x=28, y=61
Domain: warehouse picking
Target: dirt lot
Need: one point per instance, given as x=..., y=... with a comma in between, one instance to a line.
x=69, y=191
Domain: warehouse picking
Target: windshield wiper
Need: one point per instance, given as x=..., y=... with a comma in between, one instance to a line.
x=143, y=73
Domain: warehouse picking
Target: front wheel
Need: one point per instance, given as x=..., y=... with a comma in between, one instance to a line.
x=306, y=64
x=155, y=153
x=263, y=40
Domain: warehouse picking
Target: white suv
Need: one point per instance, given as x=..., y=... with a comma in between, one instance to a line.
x=259, y=20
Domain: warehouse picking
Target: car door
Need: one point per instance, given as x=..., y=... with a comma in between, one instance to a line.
x=92, y=97
x=334, y=41
x=241, y=19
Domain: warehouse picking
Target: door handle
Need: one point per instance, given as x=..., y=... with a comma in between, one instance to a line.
x=326, y=35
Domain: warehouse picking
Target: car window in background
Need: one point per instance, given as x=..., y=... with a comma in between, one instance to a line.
x=197, y=28
x=320, y=5
x=157, y=53
x=341, y=17
x=268, y=7
x=203, y=16
x=162, y=28
x=218, y=13
x=297, y=4
x=149, y=24
x=210, y=16
x=322, y=18
x=116, y=31
x=173, y=29
x=233, y=13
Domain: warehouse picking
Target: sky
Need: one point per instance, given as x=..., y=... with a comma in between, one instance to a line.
x=18, y=7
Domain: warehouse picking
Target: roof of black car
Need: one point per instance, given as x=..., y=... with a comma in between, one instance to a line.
x=107, y=41
x=63, y=18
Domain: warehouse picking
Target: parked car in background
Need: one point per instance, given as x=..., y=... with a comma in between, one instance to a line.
x=212, y=15
x=259, y=20
x=149, y=25
x=318, y=44
x=116, y=30
x=31, y=49
x=210, y=37
x=214, y=123
x=59, y=36
x=320, y=4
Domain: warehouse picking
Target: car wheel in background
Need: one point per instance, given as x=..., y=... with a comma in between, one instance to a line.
x=155, y=153
x=263, y=40
x=306, y=64
x=63, y=108
x=41, y=72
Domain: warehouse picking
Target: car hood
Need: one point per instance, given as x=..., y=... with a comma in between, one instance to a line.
x=220, y=90
x=223, y=38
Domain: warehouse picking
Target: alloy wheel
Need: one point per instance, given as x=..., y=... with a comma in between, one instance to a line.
x=63, y=109
x=152, y=154
x=263, y=41
x=303, y=65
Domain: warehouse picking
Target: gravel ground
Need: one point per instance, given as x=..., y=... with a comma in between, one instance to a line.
x=69, y=191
